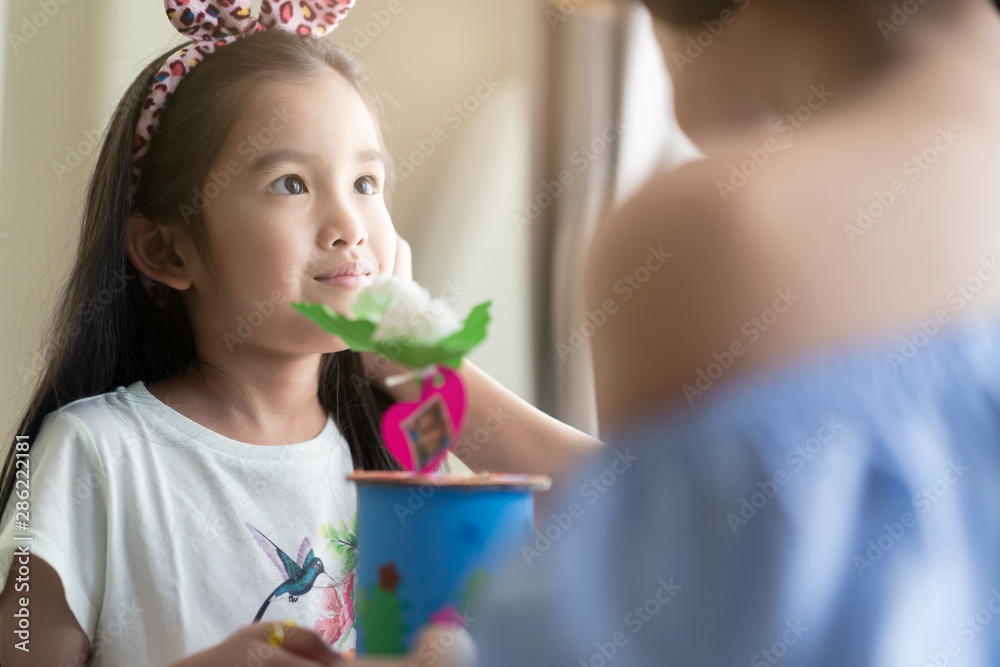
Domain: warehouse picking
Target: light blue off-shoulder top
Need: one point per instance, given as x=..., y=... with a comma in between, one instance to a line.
x=841, y=509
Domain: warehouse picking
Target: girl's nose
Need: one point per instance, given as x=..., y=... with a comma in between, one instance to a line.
x=344, y=226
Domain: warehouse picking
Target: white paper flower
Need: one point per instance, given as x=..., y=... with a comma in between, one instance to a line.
x=380, y=293
x=403, y=310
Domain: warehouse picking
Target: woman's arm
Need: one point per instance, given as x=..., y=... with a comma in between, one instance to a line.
x=505, y=433
x=502, y=431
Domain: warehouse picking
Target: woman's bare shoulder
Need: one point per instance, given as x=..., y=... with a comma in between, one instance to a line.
x=835, y=240
x=684, y=276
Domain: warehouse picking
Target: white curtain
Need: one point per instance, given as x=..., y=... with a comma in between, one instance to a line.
x=608, y=123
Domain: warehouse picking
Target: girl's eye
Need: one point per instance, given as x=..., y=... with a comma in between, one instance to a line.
x=288, y=185
x=366, y=185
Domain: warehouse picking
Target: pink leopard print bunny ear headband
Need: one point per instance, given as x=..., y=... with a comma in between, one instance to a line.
x=213, y=24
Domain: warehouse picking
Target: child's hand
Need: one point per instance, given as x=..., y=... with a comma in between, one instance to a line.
x=437, y=646
x=300, y=647
x=403, y=266
x=377, y=369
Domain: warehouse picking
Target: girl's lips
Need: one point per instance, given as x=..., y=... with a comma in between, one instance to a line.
x=347, y=280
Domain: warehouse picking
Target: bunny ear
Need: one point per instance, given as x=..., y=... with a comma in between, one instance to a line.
x=210, y=19
x=304, y=17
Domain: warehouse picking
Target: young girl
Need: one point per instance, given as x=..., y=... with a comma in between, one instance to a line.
x=190, y=438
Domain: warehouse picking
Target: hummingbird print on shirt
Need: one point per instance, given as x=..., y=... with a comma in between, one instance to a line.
x=300, y=574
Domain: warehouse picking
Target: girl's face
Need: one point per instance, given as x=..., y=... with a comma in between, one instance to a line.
x=431, y=430
x=295, y=193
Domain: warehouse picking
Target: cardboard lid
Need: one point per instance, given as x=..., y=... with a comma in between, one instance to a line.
x=483, y=480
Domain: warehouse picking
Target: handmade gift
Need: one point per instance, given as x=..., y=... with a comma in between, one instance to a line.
x=429, y=542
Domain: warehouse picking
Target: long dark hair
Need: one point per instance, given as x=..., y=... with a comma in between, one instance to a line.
x=105, y=331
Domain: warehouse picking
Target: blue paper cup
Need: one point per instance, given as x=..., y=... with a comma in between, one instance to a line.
x=429, y=547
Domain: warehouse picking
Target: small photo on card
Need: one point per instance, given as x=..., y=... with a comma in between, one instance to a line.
x=428, y=431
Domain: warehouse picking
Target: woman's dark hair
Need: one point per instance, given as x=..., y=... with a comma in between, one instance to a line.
x=105, y=331
x=693, y=12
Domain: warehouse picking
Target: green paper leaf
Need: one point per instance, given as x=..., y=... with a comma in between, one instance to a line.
x=357, y=334
x=368, y=306
x=473, y=330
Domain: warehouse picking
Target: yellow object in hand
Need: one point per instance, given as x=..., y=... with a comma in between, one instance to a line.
x=276, y=636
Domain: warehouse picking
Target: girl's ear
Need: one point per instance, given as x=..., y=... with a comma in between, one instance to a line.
x=158, y=251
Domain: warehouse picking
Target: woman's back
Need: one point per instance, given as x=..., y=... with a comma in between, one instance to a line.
x=832, y=511
x=876, y=213
x=807, y=392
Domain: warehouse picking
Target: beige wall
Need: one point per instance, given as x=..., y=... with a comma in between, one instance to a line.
x=3, y=65
x=455, y=208
x=49, y=93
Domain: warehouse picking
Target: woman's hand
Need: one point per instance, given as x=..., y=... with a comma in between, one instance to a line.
x=301, y=647
x=437, y=646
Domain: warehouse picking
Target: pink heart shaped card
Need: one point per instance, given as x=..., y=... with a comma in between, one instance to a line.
x=420, y=434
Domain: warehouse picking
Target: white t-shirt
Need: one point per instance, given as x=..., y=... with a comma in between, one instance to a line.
x=165, y=534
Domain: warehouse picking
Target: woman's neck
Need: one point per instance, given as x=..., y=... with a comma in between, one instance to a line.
x=742, y=73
